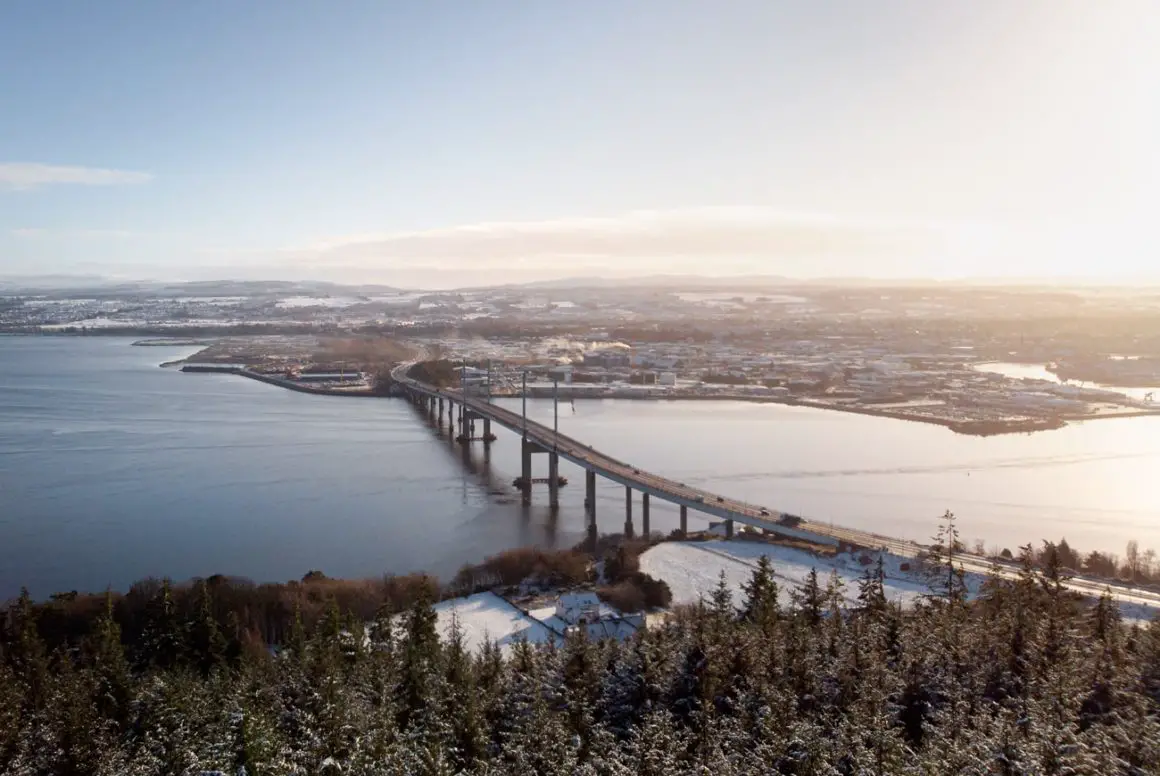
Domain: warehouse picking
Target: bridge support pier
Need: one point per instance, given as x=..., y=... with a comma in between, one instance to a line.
x=590, y=505
x=628, y=529
x=684, y=521
x=644, y=527
x=728, y=529
x=553, y=480
x=440, y=412
x=526, y=468
x=487, y=431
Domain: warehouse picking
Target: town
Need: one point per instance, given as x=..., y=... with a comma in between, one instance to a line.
x=974, y=359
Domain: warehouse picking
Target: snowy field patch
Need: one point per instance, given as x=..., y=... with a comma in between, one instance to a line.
x=691, y=569
x=486, y=617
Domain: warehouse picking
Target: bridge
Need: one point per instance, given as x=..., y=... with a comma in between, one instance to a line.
x=537, y=438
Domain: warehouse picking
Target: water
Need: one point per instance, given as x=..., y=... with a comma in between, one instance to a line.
x=1037, y=372
x=112, y=469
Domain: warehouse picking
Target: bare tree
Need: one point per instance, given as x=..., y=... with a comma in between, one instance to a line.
x=1132, y=559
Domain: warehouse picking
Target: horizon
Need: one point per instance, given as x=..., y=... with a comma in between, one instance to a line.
x=52, y=283
x=427, y=146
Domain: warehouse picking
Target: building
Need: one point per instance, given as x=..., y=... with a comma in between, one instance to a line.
x=330, y=377
x=609, y=356
x=586, y=611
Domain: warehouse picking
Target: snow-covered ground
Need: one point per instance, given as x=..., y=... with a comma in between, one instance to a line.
x=487, y=617
x=318, y=301
x=691, y=570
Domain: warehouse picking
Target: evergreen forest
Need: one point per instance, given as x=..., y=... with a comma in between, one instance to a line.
x=1027, y=678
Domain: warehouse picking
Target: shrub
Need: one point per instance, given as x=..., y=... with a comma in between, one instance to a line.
x=636, y=592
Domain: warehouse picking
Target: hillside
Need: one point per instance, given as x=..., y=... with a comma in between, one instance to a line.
x=1026, y=678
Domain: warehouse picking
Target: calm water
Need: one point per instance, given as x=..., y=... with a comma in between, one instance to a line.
x=1037, y=372
x=112, y=469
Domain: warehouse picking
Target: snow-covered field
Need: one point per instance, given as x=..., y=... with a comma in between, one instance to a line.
x=318, y=301
x=692, y=568
x=487, y=617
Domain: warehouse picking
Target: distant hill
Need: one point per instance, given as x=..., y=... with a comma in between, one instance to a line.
x=73, y=285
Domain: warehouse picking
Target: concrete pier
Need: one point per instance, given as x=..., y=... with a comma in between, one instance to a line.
x=728, y=529
x=684, y=520
x=526, y=467
x=553, y=480
x=628, y=529
x=487, y=431
x=644, y=527
x=590, y=504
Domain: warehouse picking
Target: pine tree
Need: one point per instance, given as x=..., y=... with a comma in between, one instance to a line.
x=721, y=603
x=420, y=651
x=206, y=646
x=164, y=638
x=761, y=596
x=809, y=600
x=12, y=718
x=468, y=747
x=113, y=689
x=26, y=651
x=872, y=590
x=580, y=685
x=946, y=579
x=296, y=639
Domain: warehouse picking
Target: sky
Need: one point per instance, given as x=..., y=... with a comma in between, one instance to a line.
x=438, y=143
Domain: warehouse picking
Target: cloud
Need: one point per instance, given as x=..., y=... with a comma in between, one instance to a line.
x=24, y=176
x=702, y=239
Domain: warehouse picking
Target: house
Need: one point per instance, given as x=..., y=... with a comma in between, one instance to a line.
x=600, y=621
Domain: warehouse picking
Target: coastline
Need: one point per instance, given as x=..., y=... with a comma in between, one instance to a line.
x=278, y=381
x=965, y=427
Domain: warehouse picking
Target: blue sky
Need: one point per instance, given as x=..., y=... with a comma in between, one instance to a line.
x=432, y=143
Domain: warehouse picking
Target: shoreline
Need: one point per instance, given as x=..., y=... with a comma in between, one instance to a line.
x=277, y=381
x=983, y=428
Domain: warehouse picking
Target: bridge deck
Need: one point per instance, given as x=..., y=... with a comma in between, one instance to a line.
x=618, y=471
